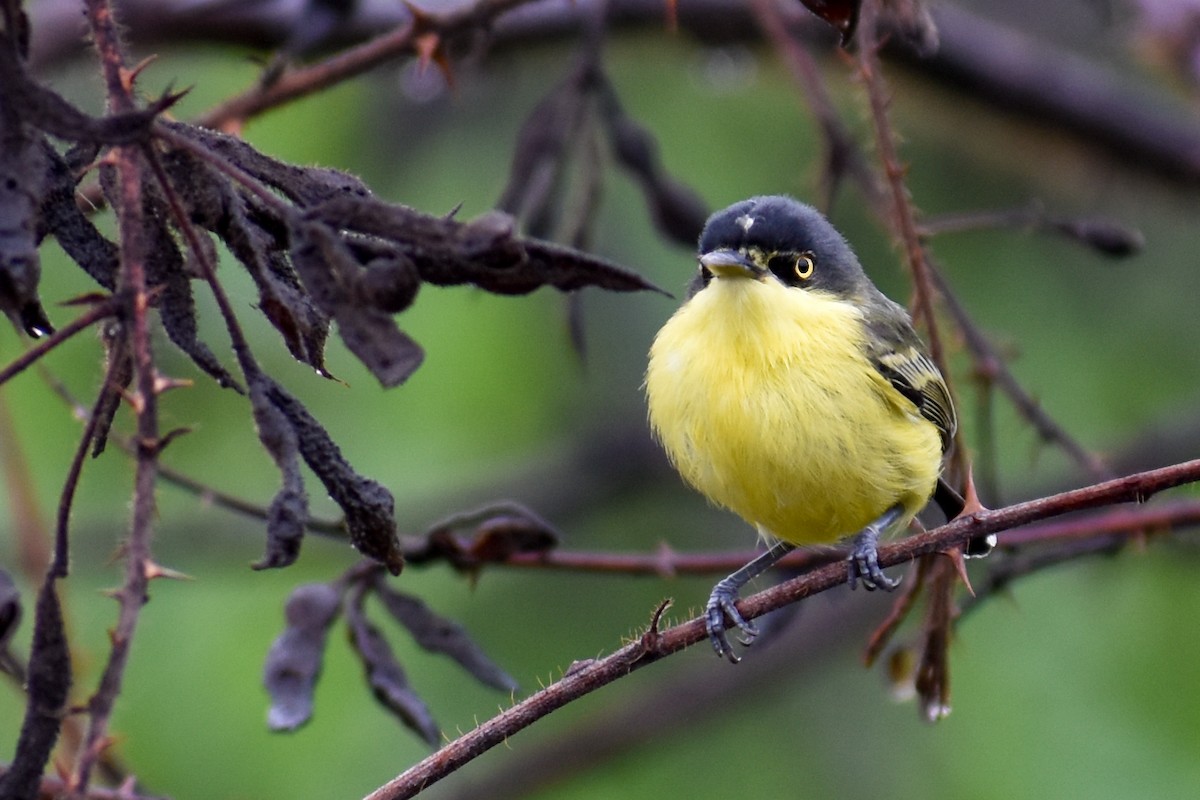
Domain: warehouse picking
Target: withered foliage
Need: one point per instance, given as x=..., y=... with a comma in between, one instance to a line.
x=467, y=542
x=325, y=255
x=320, y=247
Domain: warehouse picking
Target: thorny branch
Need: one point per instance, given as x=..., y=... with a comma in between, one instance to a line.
x=132, y=284
x=655, y=644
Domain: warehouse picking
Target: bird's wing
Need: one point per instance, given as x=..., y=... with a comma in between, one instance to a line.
x=918, y=379
x=897, y=352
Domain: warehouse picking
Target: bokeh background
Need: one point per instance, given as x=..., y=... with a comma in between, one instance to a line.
x=1080, y=682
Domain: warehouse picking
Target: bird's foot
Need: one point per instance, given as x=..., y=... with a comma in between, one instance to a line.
x=863, y=562
x=722, y=602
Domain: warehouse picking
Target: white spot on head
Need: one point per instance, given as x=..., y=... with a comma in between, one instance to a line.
x=744, y=222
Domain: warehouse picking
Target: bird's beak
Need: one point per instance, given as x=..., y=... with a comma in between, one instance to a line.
x=730, y=264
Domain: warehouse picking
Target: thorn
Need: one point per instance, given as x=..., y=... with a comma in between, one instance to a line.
x=87, y=299
x=430, y=50
x=960, y=566
x=136, y=70
x=650, y=640
x=162, y=385
x=656, y=617
x=422, y=20
x=971, y=503
x=426, y=45
x=128, y=787
x=980, y=545
x=233, y=127
x=153, y=570
x=134, y=399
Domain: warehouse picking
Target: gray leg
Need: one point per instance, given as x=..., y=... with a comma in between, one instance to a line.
x=725, y=595
x=864, y=558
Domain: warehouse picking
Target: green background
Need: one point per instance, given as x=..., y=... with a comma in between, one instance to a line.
x=1080, y=683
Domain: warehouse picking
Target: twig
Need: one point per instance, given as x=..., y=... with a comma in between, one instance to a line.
x=991, y=367
x=999, y=578
x=904, y=216
x=57, y=787
x=355, y=61
x=655, y=644
x=97, y=312
x=843, y=156
x=1161, y=517
x=131, y=279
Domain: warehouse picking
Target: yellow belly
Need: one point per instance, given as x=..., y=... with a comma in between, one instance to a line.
x=766, y=403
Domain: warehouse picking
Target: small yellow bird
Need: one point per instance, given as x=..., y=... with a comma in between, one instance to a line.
x=791, y=391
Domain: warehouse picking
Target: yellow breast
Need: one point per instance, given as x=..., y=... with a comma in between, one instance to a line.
x=766, y=402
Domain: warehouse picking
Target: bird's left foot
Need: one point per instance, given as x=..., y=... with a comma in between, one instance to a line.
x=721, y=603
x=863, y=562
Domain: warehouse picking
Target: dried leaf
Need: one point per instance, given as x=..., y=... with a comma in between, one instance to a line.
x=485, y=252
x=389, y=283
x=841, y=14
x=288, y=512
x=165, y=271
x=119, y=369
x=21, y=169
x=500, y=532
x=215, y=205
x=1104, y=235
x=677, y=211
x=437, y=634
x=912, y=23
x=294, y=661
x=387, y=679
x=61, y=217
x=49, y=112
x=48, y=686
x=932, y=676
x=305, y=186
x=10, y=610
x=166, y=274
x=368, y=506
x=503, y=536
x=540, y=153
x=330, y=272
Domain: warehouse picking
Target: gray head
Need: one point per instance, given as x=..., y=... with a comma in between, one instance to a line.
x=781, y=237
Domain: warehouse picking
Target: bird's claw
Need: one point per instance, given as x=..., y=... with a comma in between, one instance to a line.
x=722, y=602
x=863, y=564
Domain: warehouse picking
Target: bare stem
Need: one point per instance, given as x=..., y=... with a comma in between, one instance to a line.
x=355, y=61
x=90, y=317
x=132, y=595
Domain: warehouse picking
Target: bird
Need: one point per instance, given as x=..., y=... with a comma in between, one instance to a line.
x=789, y=389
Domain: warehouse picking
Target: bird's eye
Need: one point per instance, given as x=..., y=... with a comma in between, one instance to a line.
x=803, y=266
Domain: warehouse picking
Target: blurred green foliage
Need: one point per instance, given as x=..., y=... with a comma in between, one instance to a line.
x=1082, y=686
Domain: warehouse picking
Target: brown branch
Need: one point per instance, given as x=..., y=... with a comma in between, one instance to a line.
x=53, y=788
x=655, y=644
x=97, y=312
x=1161, y=517
x=355, y=61
x=904, y=216
x=991, y=367
x=843, y=156
x=130, y=167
